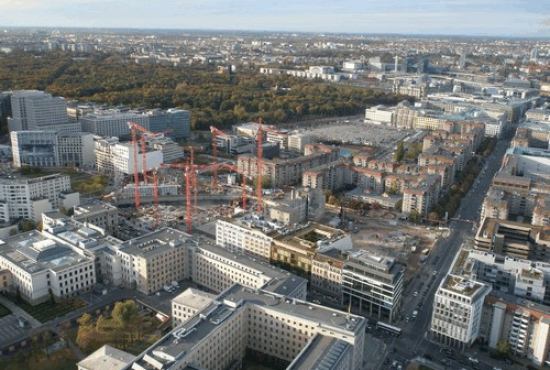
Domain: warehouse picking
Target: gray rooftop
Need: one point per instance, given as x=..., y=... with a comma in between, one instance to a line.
x=34, y=253
x=185, y=337
x=321, y=353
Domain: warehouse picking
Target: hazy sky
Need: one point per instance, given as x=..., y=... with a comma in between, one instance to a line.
x=465, y=17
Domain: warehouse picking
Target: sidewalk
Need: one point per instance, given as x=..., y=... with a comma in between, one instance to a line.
x=19, y=311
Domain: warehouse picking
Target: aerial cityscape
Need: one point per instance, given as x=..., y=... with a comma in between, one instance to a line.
x=211, y=185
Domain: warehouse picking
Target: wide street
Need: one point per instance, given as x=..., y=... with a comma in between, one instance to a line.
x=415, y=340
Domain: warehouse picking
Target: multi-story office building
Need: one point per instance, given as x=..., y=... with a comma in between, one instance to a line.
x=514, y=239
x=326, y=273
x=117, y=158
x=40, y=266
x=148, y=190
x=457, y=310
x=373, y=284
x=37, y=110
x=295, y=248
x=188, y=303
x=151, y=261
x=34, y=148
x=5, y=104
x=246, y=236
x=29, y=198
x=52, y=149
x=238, y=320
x=538, y=114
x=495, y=204
x=216, y=269
x=102, y=215
x=76, y=149
x=112, y=122
x=6, y=278
x=171, y=151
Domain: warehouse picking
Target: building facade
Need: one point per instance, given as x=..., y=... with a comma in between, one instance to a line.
x=373, y=284
x=29, y=198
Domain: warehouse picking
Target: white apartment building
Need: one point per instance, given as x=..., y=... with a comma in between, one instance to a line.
x=523, y=324
x=512, y=275
x=188, y=303
x=297, y=142
x=457, y=310
x=171, y=151
x=289, y=330
x=148, y=190
x=245, y=236
x=39, y=264
x=118, y=158
x=29, y=198
x=52, y=149
x=379, y=115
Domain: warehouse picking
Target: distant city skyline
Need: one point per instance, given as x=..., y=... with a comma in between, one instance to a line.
x=521, y=18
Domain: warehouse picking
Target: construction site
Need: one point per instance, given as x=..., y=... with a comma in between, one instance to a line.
x=191, y=197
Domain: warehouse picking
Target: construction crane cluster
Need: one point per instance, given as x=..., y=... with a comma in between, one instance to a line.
x=191, y=170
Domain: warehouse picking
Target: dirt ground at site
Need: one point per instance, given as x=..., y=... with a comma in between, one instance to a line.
x=382, y=233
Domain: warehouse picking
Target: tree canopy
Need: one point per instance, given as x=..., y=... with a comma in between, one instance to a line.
x=213, y=98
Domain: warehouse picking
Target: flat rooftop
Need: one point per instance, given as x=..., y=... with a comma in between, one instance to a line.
x=157, y=242
x=322, y=352
x=462, y=285
x=194, y=298
x=185, y=337
x=308, y=236
x=33, y=253
x=277, y=280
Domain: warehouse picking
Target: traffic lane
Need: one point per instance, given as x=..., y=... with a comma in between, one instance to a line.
x=450, y=247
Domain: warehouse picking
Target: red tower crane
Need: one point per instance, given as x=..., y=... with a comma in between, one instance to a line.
x=188, y=210
x=235, y=168
x=136, y=174
x=215, y=133
x=193, y=177
x=156, y=197
x=259, y=190
x=134, y=126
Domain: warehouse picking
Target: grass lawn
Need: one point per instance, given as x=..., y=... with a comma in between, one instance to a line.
x=47, y=311
x=4, y=311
